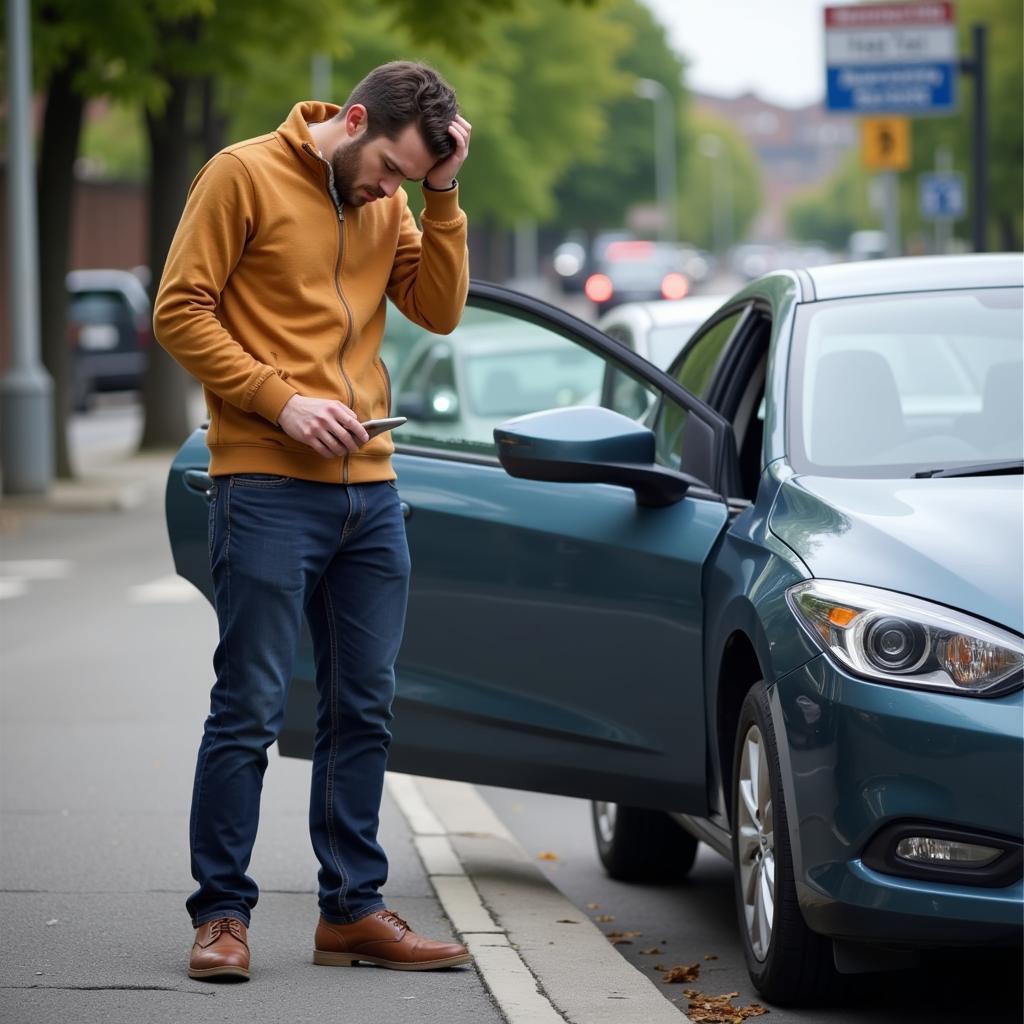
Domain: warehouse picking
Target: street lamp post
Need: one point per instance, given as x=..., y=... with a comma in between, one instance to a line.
x=714, y=149
x=664, y=151
x=26, y=391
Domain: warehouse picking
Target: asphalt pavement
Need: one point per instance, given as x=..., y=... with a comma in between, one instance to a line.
x=106, y=673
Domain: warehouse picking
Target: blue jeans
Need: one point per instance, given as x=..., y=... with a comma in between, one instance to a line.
x=281, y=547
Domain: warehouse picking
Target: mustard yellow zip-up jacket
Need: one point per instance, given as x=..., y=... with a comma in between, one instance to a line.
x=271, y=290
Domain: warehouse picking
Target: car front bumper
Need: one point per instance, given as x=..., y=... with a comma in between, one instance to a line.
x=859, y=756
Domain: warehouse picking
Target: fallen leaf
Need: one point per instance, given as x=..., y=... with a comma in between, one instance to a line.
x=653, y=951
x=719, y=1009
x=710, y=956
x=547, y=855
x=51, y=922
x=604, y=918
x=622, y=942
x=681, y=972
x=659, y=967
x=593, y=906
x=565, y=920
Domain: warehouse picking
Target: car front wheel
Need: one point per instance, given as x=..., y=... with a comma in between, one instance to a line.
x=636, y=844
x=787, y=962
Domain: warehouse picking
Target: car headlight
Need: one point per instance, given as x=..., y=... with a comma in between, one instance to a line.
x=898, y=639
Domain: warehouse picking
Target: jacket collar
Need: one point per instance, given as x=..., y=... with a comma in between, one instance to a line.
x=295, y=128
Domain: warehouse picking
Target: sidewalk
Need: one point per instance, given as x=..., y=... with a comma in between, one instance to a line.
x=102, y=703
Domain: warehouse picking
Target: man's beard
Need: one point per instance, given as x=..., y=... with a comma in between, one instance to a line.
x=347, y=166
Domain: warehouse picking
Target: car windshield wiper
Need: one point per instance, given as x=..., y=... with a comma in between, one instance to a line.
x=980, y=469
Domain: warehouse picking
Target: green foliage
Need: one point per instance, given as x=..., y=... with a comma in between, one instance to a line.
x=114, y=146
x=831, y=213
x=535, y=93
x=741, y=179
x=601, y=185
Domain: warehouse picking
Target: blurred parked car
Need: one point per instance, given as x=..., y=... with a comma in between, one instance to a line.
x=462, y=385
x=634, y=270
x=109, y=332
x=780, y=606
x=659, y=330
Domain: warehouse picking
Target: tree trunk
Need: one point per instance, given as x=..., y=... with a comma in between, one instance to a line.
x=214, y=125
x=166, y=385
x=62, y=124
x=1009, y=241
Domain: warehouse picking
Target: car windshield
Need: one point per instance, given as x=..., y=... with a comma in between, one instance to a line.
x=513, y=383
x=892, y=385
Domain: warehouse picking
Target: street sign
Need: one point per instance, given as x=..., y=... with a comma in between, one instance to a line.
x=885, y=143
x=942, y=196
x=891, y=58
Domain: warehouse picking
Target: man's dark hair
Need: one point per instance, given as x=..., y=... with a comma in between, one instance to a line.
x=402, y=93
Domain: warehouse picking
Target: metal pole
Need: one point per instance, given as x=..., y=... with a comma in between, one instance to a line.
x=891, y=212
x=26, y=391
x=943, y=225
x=320, y=76
x=664, y=153
x=979, y=37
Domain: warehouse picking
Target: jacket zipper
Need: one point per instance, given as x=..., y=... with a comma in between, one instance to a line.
x=341, y=295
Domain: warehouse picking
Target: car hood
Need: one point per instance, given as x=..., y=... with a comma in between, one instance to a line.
x=955, y=541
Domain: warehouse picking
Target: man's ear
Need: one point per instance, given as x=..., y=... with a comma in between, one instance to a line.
x=356, y=120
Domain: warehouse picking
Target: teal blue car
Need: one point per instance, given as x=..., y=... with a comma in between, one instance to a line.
x=770, y=600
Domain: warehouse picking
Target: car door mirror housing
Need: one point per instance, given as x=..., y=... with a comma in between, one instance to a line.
x=588, y=445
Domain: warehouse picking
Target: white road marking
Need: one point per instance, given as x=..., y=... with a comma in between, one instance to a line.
x=35, y=569
x=15, y=575
x=165, y=590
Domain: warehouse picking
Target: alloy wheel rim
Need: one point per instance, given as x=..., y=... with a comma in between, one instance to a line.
x=605, y=814
x=755, y=820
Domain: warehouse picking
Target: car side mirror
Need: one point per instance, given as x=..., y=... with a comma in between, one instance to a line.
x=587, y=444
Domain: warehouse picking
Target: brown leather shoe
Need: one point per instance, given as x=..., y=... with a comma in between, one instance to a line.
x=221, y=950
x=384, y=939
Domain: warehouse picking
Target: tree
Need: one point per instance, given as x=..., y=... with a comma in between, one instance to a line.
x=732, y=168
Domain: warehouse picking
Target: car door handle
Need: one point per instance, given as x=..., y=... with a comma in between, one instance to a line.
x=198, y=480
x=406, y=509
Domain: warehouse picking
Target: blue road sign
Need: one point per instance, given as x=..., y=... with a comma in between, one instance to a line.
x=892, y=58
x=942, y=196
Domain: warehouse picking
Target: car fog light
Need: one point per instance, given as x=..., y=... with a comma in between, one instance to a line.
x=929, y=850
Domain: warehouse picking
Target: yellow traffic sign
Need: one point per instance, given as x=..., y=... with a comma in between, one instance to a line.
x=885, y=143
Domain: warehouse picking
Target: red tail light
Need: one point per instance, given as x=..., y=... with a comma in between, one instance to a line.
x=143, y=337
x=674, y=286
x=598, y=288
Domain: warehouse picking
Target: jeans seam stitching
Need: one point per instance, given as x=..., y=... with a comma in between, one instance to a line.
x=201, y=769
x=332, y=755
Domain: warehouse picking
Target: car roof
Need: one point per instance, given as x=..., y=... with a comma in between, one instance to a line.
x=917, y=274
x=665, y=312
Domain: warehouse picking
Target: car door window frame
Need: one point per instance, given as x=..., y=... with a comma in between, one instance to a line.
x=716, y=466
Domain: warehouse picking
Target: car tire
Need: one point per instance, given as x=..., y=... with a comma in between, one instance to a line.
x=639, y=845
x=788, y=963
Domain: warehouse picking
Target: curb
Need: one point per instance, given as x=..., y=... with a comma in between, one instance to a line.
x=543, y=960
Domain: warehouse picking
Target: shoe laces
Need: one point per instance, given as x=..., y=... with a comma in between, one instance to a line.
x=230, y=925
x=390, y=915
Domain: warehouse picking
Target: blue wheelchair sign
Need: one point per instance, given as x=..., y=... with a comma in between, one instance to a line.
x=942, y=196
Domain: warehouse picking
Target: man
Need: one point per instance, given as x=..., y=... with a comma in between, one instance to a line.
x=273, y=296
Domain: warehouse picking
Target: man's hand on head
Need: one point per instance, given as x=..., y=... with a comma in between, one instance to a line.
x=328, y=427
x=444, y=172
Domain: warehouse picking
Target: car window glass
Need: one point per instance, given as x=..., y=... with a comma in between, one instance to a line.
x=497, y=367
x=98, y=308
x=693, y=370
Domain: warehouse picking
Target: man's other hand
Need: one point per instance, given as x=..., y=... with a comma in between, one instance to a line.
x=444, y=172
x=328, y=427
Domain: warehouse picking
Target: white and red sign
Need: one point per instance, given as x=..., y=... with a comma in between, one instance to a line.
x=892, y=58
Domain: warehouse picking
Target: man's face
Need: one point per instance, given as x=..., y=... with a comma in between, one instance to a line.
x=369, y=169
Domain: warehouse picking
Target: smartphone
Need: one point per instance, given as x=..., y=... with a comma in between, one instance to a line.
x=375, y=427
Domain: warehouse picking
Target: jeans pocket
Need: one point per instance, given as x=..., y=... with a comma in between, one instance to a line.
x=259, y=480
x=211, y=522
x=393, y=484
